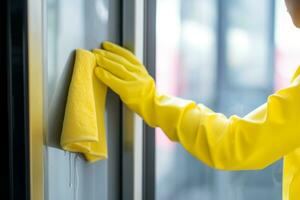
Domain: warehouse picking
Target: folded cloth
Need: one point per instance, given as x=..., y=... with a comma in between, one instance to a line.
x=83, y=126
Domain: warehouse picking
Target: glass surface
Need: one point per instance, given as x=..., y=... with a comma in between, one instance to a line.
x=229, y=72
x=247, y=42
x=72, y=24
x=287, y=46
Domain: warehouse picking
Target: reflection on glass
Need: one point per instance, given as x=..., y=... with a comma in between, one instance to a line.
x=247, y=36
x=187, y=66
x=74, y=24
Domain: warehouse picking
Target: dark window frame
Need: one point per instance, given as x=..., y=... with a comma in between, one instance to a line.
x=17, y=114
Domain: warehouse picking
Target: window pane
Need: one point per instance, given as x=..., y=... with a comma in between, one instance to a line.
x=75, y=24
x=190, y=47
x=287, y=46
x=247, y=42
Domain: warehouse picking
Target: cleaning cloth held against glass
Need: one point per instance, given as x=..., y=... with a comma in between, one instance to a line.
x=83, y=127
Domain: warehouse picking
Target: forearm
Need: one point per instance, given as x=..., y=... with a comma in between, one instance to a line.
x=252, y=142
x=234, y=143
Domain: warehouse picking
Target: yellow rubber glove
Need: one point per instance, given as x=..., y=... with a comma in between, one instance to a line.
x=291, y=171
x=291, y=176
x=252, y=142
x=83, y=127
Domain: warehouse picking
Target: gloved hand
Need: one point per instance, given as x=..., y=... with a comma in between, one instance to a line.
x=252, y=142
x=125, y=75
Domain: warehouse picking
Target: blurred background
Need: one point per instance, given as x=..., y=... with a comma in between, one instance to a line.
x=229, y=55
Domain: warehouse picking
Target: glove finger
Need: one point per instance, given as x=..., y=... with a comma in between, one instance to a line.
x=119, y=59
x=116, y=58
x=115, y=68
x=120, y=51
x=109, y=79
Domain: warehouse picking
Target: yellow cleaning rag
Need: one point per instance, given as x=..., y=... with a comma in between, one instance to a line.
x=84, y=127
